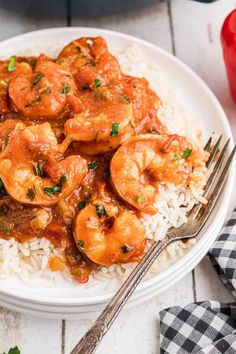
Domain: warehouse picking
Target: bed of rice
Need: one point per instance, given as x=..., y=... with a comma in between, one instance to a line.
x=29, y=260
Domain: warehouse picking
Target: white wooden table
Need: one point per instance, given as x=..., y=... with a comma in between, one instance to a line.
x=190, y=31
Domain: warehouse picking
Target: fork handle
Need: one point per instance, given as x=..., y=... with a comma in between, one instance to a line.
x=94, y=335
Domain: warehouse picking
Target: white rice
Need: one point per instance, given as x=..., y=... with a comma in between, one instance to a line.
x=29, y=260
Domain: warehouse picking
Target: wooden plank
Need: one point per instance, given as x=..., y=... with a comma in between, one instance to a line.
x=197, y=43
x=197, y=39
x=32, y=335
x=136, y=330
x=150, y=23
x=208, y=284
x=17, y=17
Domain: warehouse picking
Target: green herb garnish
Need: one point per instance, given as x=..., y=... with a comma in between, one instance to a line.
x=97, y=83
x=80, y=245
x=31, y=193
x=12, y=64
x=34, y=102
x=93, y=165
x=175, y=157
x=64, y=178
x=6, y=139
x=187, y=153
x=100, y=210
x=138, y=200
x=37, y=78
x=82, y=204
x=50, y=192
x=127, y=248
x=56, y=189
x=14, y=350
x=32, y=62
x=65, y=90
x=38, y=169
x=115, y=129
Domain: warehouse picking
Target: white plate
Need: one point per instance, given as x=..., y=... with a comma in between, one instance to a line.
x=70, y=299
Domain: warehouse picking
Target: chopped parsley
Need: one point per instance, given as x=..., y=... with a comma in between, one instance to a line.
x=32, y=62
x=80, y=245
x=153, y=131
x=187, y=153
x=34, y=102
x=6, y=139
x=93, y=165
x=63, y=179
x=14, y=350
x=175, y=158
x=31, y=193
x=97, y=83
x=37, y=78
x=38, y=169
x=65, y=89
x=127, y=248
x=50, y=192
x=82, y=204
x=100, y=210
x=138, y=200
x=115, y=129
x=12, y=64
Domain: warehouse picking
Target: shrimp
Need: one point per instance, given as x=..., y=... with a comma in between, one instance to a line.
x=44, y=93
x=9, y=70
x=32, y=170
x=108, y=124
x=92, y=55
x=107, y=233
x=139, y=165
x=5, y=129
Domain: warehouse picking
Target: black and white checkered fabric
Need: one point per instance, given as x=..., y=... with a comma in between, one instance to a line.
x=207, y=327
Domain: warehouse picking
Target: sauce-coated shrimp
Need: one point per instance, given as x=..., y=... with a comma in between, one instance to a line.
x=103, y=129
x=44, y=93
x=144, y=161
x=33, y=171
x=109, y=234
x=9, y=70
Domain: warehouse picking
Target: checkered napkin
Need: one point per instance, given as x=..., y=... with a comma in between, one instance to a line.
x=209, y=326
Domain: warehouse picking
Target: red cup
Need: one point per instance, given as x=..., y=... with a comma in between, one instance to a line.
x=228, y=40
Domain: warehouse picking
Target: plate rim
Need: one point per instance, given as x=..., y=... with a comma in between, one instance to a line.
x=230, y=182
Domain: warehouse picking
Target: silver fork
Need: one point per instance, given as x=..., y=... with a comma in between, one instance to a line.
x=196, y=220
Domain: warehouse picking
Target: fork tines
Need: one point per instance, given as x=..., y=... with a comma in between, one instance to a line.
x=211, y=193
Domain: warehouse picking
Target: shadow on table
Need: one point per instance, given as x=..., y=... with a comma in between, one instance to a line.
x=82, y=8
